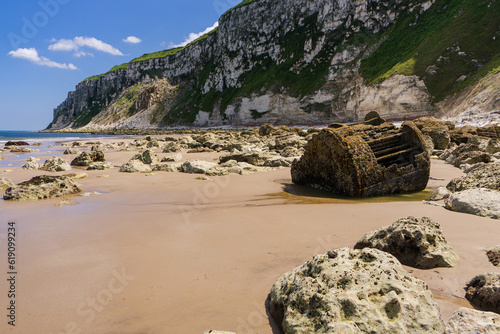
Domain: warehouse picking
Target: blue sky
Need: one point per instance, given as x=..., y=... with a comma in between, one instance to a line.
x=48, y=46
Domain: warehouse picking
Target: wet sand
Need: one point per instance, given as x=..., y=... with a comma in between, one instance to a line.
x=171, y=254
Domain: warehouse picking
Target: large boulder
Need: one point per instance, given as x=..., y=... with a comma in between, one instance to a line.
x=415, y=242
x=483, y=292
x=55, y=164
x=31, y=164
x=167, y=167
x=172, y=147
x=16, y=143
x=148, y=157
x=135, y=166
x=353, y=291
x=484, y=176
x=480, y=202
x=86, y=158
x=41, y=187
x=5, y=183
x=469, y=321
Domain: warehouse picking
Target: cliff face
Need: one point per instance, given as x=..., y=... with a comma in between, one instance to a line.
x=287, y=61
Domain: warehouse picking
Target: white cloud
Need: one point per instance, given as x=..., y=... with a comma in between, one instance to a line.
x=32, y=56
x=193, y=36
x=132, y=40
x=78, y=42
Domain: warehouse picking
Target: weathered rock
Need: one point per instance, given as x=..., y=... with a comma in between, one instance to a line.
x=200, y=150
x=217, y=332
x=41, y=187
x=100, y=166
x=471, y=158
x=77, y=176
x=266, y=129
x=5, y=183
x=279, y=162
x=30, y=165
x=167, y=167
x=494, y=255
x=148, y=157
x=353, y=291
x=429, y=144
x=22, y=150
x=172, y=158
x=439, y=194
x=480, y=202
x=468, y=321
x=484, y=176
x=197, y=166
x=483, y=292
x=172, y=147
x=135, y=166
x=217, y=171
x=2, y=157
x=56, y=164
x=415, y=242
x=72, y=150
x=98, y=147
x=289, y=152
x=86, y=158
x=364, y=160
x=253, y=158
x=440, y=136
x=16, y=143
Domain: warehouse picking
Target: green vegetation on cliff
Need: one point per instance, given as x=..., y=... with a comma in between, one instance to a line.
x=451, y=45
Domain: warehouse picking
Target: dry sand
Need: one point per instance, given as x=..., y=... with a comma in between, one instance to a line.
x=171, y=254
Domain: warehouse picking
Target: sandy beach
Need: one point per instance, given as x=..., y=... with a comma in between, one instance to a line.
x=167, y=253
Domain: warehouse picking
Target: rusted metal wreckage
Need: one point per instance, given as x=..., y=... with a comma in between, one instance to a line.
x=372, y=158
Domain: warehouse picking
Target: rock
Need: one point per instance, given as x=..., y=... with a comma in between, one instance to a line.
x=468, y=321
x=484, y=176
x=440, y=136
x=471, y=158
x=217, y=332
x=41, y=187
x=479, y=202
x=22, y=150
x=148, y=157
x=77, y=176
x=31, y=164
x=200, y=150
x=363, y=160
x=217, y=171
x=197, y=166
x=55, y=164
x=493, y=146
x=135, y=166
x=172, y=158
x=86, y=158
x=439, y=194
x=172, y=147
x=100, y=166
x=16, y=143
x=353, y=291
x=207, y=137
x=289, y=152
x=279, y=162
x=494, y=255
x=72, y=150
x=167, y=167
x=153, y=143
x=253, y=158
x=483, y=292
x=289, y=140
x=5, y=183
x=415, y=242
x=266, y=129
x=186, y=140
x=203, y=178
x=2, y=157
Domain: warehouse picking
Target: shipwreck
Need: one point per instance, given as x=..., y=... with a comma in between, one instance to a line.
x=371, y=158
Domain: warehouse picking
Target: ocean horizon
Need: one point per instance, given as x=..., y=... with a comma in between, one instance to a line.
x=24, y=135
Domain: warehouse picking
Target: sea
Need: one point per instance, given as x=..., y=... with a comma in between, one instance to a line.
x=45, y=137
x=46, y=142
